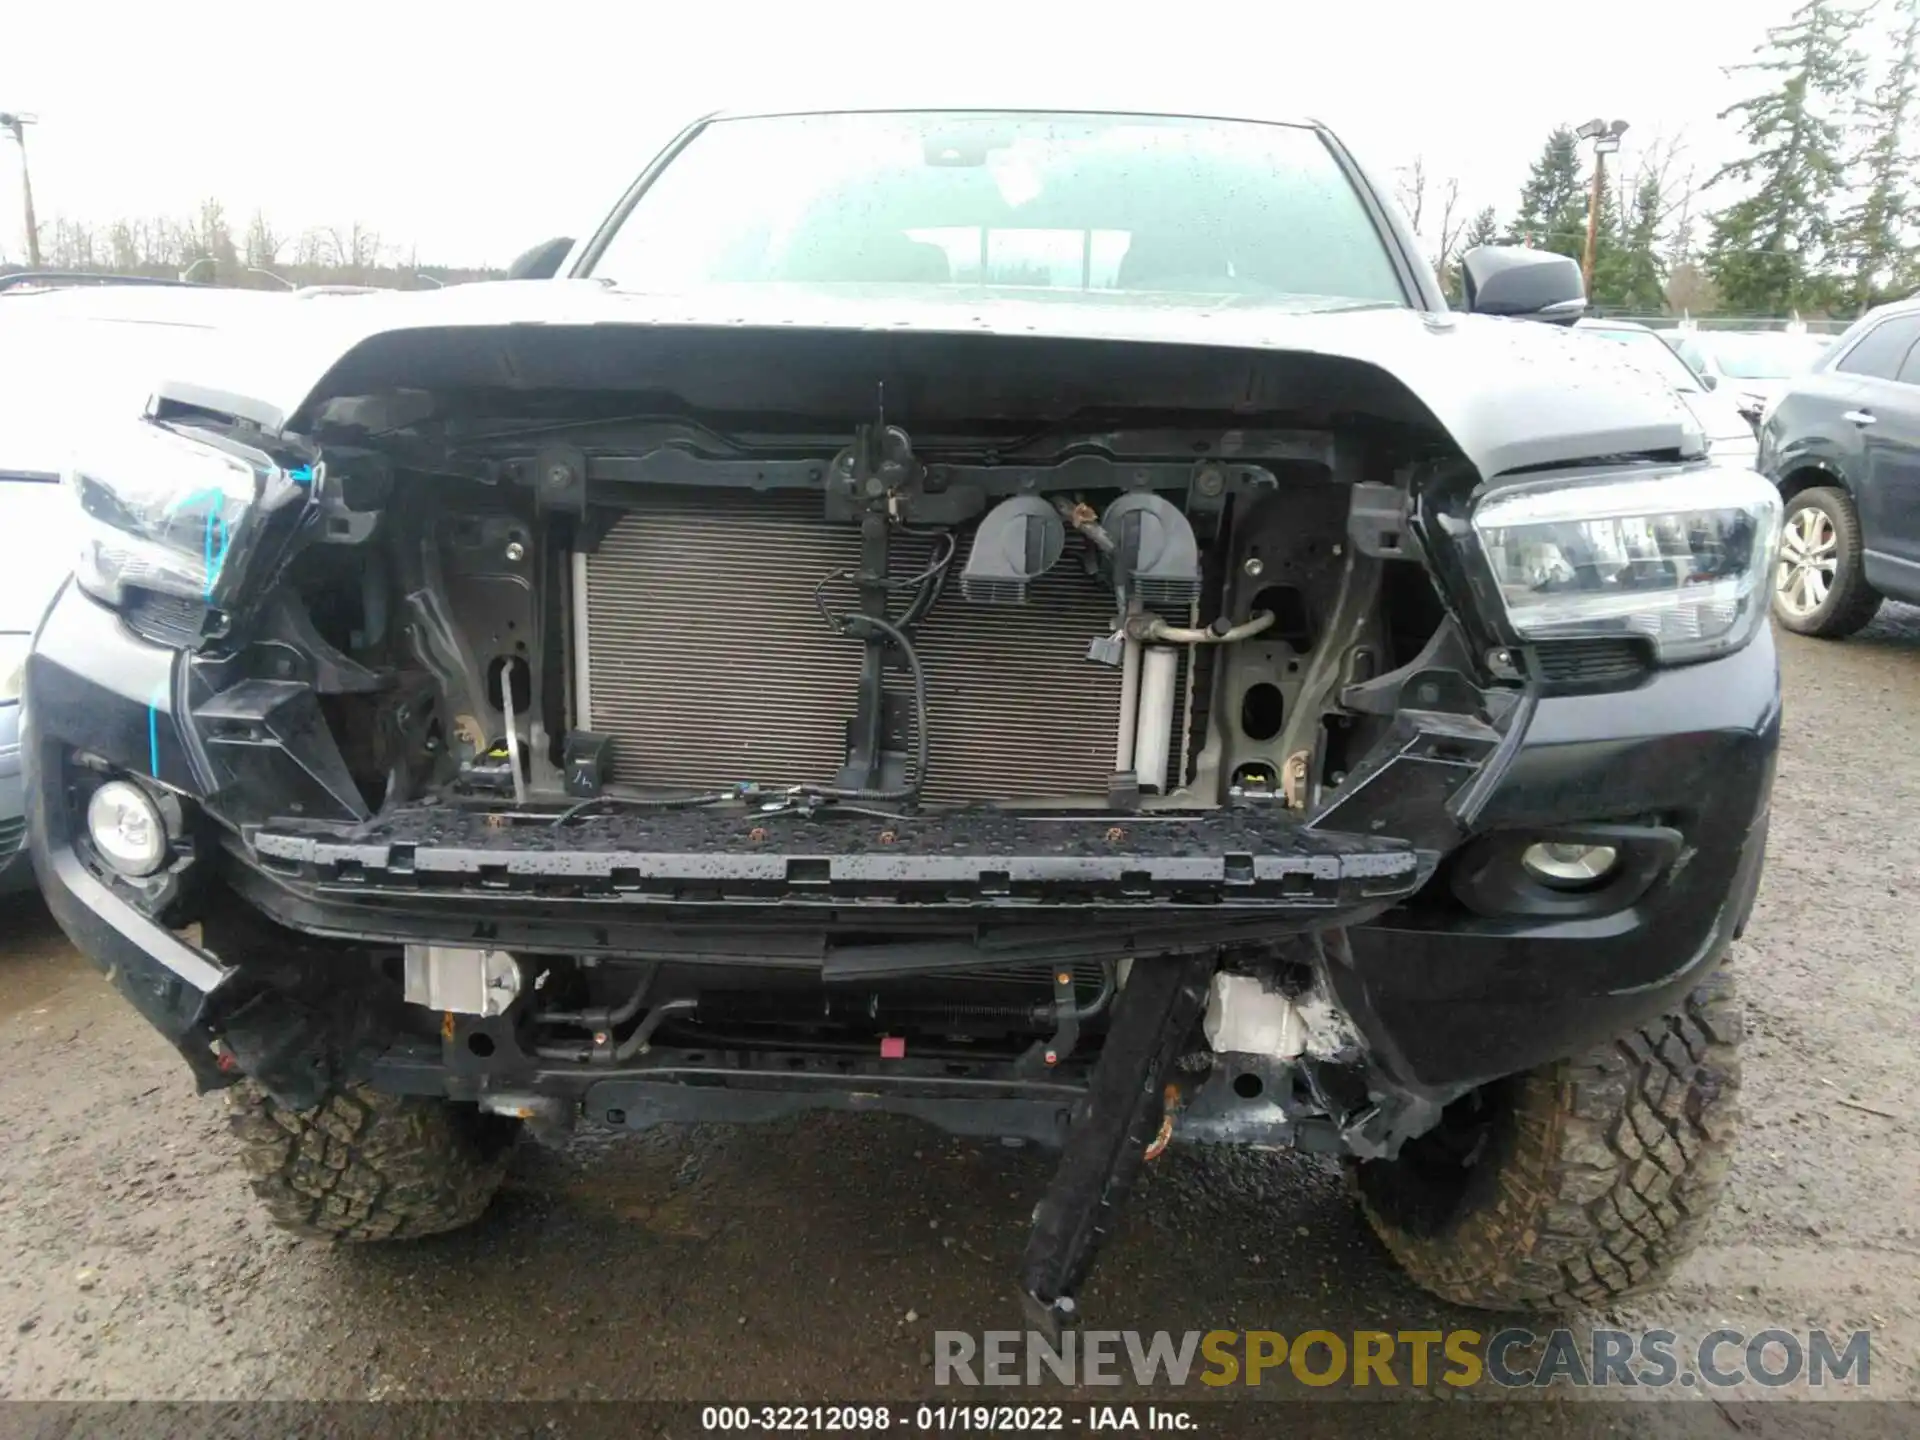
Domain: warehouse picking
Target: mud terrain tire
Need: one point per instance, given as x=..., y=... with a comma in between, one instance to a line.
x=369, y=1166
x=1577, y=1183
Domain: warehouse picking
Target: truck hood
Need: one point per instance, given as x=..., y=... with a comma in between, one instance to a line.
x=1512, y=394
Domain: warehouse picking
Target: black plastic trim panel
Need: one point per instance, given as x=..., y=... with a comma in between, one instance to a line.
x=969, y=858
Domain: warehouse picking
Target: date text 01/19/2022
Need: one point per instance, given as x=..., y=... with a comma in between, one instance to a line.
x=937, y=1419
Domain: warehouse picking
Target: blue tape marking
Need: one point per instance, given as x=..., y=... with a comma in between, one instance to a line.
x=302, y=476
x=216, y=540
x=215, y=557
x=153, y=729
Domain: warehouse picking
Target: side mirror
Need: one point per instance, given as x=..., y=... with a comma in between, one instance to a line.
x=542, y=262
x=1512, y=280
x=1709, y=382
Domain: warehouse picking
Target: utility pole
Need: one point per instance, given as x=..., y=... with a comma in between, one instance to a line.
x=15, y=125
x=1606, y=140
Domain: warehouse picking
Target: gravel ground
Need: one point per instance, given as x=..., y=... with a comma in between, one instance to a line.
x=816, y=1259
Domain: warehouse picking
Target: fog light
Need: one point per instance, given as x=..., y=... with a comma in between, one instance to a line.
x=1569, y=866
x=127, y=828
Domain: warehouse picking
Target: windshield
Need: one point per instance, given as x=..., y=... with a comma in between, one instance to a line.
x=1650, y=351
x=1765, y=357
x=1071, y=204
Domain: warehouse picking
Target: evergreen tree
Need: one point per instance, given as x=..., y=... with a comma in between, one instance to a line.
x=1873, y=240
x=1767, y=249
x=1484, y=230
x=1553, y=202
x=1641, y=277
x=1606, y=287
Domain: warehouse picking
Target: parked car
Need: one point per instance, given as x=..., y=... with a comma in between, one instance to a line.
x=1038, y=622
x=32, y=517
x=72, y=348
x=1728, y=431
x=1750, y=366
x=1843, y=445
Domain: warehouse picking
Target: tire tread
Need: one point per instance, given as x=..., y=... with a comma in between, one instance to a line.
x=1615, y=1162
x=366, y=1166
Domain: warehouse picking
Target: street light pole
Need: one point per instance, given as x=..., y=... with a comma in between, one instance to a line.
x=15, y=125
x=1593, y=218
x=1606, y=140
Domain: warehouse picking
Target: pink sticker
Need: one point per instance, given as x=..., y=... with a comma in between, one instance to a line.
x=893, y=1047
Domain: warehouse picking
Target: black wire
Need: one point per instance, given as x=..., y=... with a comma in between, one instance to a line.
x=911, y=790
x=926, y=584
x=926, y=587
x=676, y=802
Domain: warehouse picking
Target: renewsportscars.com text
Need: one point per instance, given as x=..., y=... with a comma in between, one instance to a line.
x=1511, y=1358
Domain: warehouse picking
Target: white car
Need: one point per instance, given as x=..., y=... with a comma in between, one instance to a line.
x=67, y=357
x=1720, y=415
x=1750, y=367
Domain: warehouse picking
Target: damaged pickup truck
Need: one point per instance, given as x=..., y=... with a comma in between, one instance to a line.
x=1044, y=623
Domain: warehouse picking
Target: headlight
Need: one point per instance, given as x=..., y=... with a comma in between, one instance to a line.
x=163, y=511
x=1682, y=559
x=13, y=666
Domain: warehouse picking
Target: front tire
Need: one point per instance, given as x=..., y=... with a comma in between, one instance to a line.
x=1575, y=1184
x=1820, y=584
x=364, y=1165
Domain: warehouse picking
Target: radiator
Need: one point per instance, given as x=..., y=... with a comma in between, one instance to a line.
x=709, y=664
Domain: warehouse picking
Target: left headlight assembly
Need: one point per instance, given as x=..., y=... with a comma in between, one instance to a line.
x=165, y=512
x=1682, y=559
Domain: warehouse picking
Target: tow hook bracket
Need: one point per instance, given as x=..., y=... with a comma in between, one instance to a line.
x=1115, y=1123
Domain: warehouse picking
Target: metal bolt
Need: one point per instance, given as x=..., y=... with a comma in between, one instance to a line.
x=516, y=552
x=559, y=477
x=1339, y=549
x=1063, y=977
x=599, y=1037
x=1255, y=566
x=1210, y=482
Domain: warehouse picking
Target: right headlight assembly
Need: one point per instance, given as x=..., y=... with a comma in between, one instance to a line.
x=1681, y=558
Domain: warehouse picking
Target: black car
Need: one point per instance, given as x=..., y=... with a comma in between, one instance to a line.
x=1843, y=445
x=1040, y=622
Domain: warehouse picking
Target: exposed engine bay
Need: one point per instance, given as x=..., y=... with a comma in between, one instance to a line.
x=1104, y=629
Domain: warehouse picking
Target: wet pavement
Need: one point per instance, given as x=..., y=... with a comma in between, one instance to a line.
x=814, y=1260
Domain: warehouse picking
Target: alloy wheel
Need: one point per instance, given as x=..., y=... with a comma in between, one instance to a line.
x=1809, y=560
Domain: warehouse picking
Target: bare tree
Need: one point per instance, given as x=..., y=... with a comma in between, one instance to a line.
x=1690, y=290
x=1410, y=189
x=263, y=244
x=1434, y=211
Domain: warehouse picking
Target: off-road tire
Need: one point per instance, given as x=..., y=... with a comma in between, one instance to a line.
x=1594, y=1176
x=369, y=1166
x=1851, y=602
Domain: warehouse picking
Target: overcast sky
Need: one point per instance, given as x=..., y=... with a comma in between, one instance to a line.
x=471, y=132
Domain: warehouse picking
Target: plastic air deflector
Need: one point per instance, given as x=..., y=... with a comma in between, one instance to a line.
x=1018, y=542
